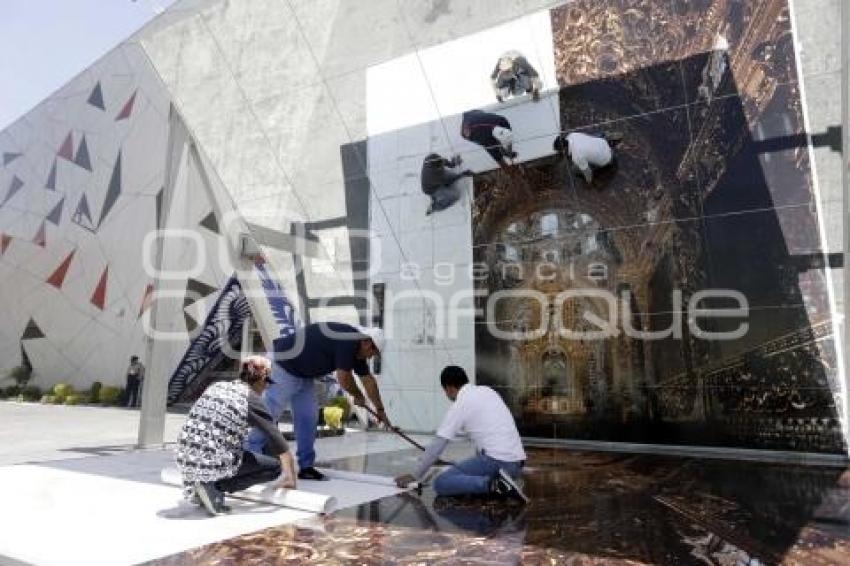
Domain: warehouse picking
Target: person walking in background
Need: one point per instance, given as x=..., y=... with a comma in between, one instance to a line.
x=210, y=456
x=311, y=352
x=135, y=376
x=439, y=178
x=514, y=76
x=490, y=131
x=587, y=153
x=480, y=412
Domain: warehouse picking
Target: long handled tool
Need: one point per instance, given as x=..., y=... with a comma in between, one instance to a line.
x=399, y=432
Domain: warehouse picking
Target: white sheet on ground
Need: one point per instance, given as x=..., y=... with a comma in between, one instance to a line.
x=115, y=510
x=57, y=516
x=344, y=489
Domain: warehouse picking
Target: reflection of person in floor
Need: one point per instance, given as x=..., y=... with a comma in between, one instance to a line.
x=587, y=153
x=308, y=353
x=492, y=132
x=514, y=76
x=478, y=411
x=209, y=448
x=439, y=177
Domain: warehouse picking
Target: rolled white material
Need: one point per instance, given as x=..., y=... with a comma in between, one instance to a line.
x=292, y=498
x=268, y=493
x=364, y=478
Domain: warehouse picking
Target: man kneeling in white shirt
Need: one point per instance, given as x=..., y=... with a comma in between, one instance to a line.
x=482, y=414
x=587, y=153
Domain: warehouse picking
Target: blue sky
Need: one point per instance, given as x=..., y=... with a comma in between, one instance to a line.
x=45, y=43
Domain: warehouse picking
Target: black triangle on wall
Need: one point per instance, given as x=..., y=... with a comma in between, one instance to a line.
x=159, y=196
x=197, y=290
x=32, y=331
x=25, y=359
x=191, y=323
x=96, y=97
x=210, y=223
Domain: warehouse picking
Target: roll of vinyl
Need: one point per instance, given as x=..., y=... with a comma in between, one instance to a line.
x=267, y=493
x=292, y=498
x=365, y=478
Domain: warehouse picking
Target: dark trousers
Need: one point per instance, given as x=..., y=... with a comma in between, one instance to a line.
x=132, y=391
x=255, y=468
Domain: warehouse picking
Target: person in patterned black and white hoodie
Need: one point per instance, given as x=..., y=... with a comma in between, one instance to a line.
x=209, y=447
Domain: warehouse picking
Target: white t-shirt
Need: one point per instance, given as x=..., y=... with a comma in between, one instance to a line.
x=481, y=413
x=586, y=151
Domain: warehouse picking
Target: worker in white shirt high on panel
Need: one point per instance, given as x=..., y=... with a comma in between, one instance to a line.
x=587, y=153
x=481, y=413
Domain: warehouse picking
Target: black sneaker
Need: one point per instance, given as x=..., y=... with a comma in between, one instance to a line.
x=505, y=486
x=211, y=498
x=311, y=473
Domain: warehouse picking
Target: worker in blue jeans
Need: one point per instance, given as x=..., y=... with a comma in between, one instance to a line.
x=311, y=352
x=482, y=414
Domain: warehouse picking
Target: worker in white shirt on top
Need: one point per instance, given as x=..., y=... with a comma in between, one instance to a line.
x=587, y=153
x=482, y=414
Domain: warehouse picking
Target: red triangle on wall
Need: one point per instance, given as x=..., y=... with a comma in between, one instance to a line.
x=67, y=149
x=41, y=236
x=146, y=300
x=5, y=240
x=58, y=276
x=98, y=298
x=127, y=110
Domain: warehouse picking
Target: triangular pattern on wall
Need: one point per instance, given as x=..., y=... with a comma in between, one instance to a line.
x=58, y=277
x=25, y=359
x=210, y=223
x=127, y=109
x=191, y=323
x=82, y=213
x=96, y=97
x=10, y=156
x=196, y=290
x=32, y=331
x=15, y=186
x=98, y=298
x=51, y=178
x=113, y=191
x=159, y=196
x=82, y=157
x=55, y=215
x=5, y=240
x=66, y=151
x=40, y=238
x=146, y=299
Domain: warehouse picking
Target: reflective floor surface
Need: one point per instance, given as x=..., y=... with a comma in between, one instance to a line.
x=586, y=508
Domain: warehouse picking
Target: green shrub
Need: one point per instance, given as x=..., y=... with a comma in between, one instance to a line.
x=48, y=399
x=110, y=395
x=13, y=391
x=76, y=399
x=21, y=375
x=30, y=393
x=62, y=390
x=57, y=399
x=2, y=393
x=94, y=392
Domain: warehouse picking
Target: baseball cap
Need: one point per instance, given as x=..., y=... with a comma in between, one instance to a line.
x=375, y=334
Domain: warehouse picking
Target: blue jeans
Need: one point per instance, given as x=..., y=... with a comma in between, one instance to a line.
x=473, y=475
x=289, y=389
